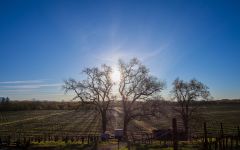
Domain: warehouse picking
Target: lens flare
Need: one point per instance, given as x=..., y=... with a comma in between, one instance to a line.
x=115, y=76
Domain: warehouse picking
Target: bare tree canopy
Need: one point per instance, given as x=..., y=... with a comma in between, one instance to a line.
x=190, y=91
x=96, y=88
x=136, y=84
x=186, y=93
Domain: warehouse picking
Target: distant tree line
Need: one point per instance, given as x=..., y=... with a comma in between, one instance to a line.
x=55, y=105
x=7, y=105
x=4, y=100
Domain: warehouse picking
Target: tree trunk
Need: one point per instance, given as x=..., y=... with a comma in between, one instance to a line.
x=104, y=121
x=125, y=121
x=187, y=120
x=125, y=125
x=186, y=131
x=186, y=128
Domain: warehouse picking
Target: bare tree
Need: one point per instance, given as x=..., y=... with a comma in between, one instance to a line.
x=96, y=88
x=136, y=84
x=186, y=94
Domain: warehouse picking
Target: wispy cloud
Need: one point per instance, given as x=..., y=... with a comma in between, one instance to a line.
x=31, y=86
x=22, y=82
x=28, y=89
x=14, y=90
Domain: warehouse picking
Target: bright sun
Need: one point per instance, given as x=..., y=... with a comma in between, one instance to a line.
x=115, y=76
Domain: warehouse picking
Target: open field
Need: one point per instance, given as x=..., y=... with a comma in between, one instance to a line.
x=79, y=123
x=50, y=122
x=88, y=122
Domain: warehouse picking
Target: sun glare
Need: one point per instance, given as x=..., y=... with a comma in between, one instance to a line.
x=115, y=76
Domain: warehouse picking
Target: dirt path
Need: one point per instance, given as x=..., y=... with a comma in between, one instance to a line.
x=112, y=146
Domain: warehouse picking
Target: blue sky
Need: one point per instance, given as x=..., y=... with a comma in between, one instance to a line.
x=44, y=42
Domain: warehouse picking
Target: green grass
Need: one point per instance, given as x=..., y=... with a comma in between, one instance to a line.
x=59, y=145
